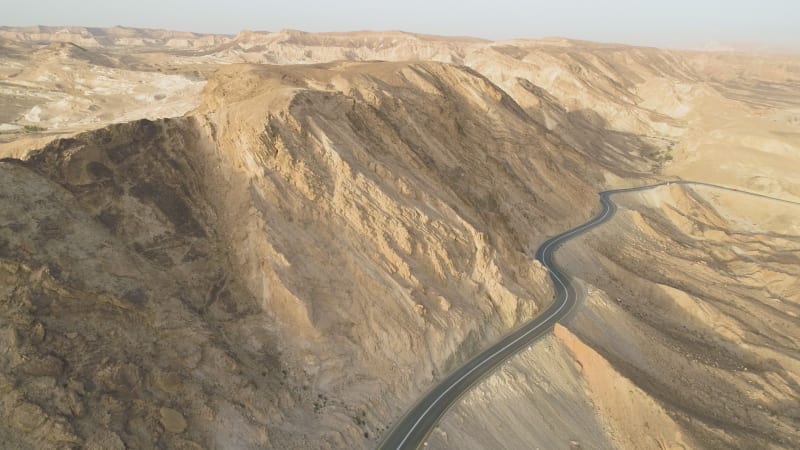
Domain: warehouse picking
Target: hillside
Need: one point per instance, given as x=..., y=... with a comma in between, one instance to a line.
x=699, y=349
x=282, y=239
x=308, y=236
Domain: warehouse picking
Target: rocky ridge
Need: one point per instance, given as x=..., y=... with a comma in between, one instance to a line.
x=306, y=249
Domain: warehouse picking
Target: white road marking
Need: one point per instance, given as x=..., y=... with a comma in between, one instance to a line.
x=452, y=385
x=553, y=314
x=610, y=205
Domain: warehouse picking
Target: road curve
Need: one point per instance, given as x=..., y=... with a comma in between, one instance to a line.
x=412, y=430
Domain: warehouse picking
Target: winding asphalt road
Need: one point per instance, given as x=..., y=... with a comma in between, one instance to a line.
x=414, y=427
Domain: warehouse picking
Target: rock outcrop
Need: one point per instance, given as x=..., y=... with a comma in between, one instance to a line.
x=312, y=245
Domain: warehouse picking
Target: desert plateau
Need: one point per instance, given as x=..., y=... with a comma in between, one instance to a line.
x=289, y=240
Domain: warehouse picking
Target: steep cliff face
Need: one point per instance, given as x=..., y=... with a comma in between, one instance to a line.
x=583, y=92
x=599, y=98
x=290, y=266
x=126, y=327
x=294, y=261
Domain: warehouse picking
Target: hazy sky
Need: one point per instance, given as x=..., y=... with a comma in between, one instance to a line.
x=673, y=23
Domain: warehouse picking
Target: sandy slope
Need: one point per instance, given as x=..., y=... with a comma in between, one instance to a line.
x=699, y=350
x=309, y=247
x=307, y=233
x=62, y=88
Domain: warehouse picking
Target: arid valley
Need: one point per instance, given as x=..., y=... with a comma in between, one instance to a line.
x=286, y=239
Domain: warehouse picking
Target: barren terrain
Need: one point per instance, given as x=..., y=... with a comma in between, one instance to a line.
x=699, y=349
x=283, y=239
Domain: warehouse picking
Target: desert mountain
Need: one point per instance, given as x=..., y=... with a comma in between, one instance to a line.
x=119, y=37
x=308, y=232
x=698, y=349
x=281, y=240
